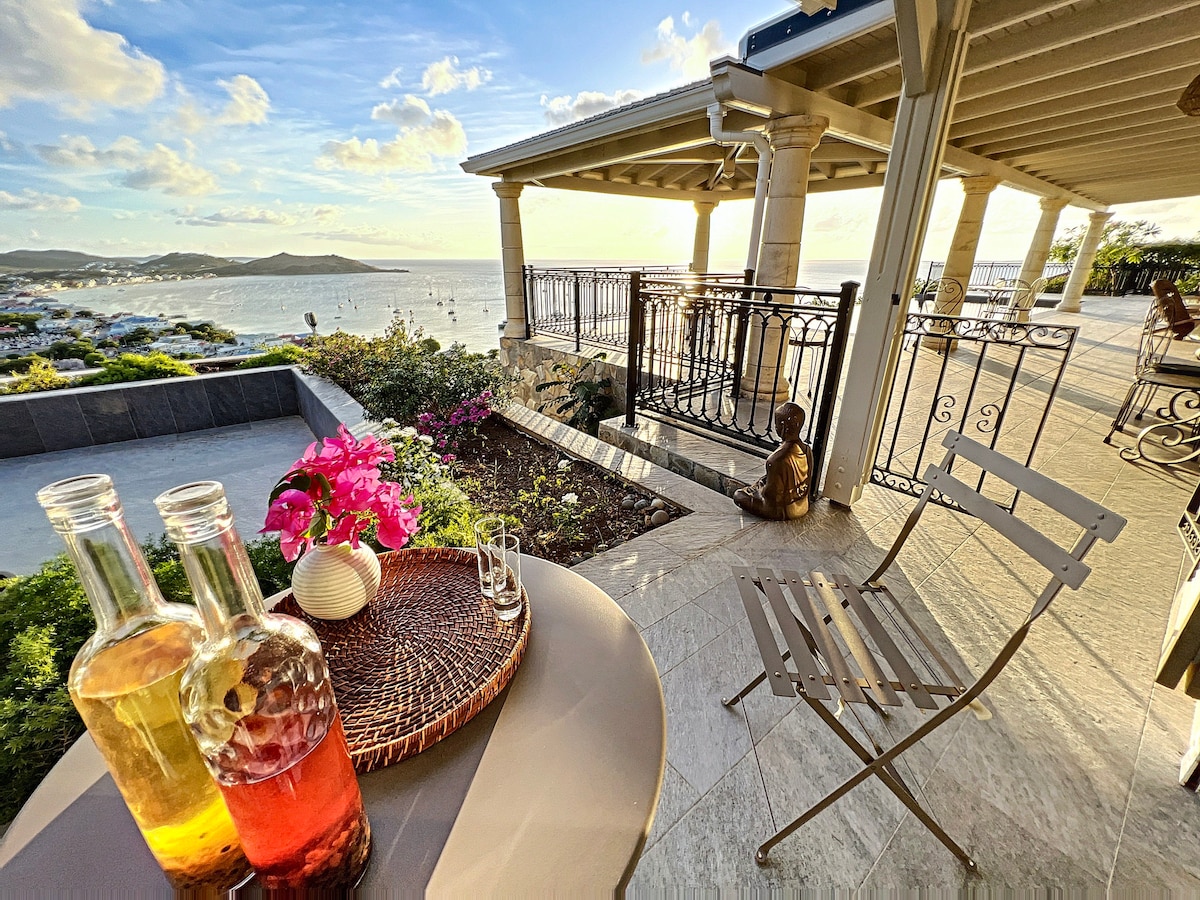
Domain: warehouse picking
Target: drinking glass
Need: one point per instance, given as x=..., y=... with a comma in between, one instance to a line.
x=486, y=530
x=504, y=558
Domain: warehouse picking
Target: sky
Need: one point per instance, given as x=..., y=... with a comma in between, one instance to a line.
x=243, y=128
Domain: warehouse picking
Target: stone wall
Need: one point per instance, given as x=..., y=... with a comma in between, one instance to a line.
x=531, y=360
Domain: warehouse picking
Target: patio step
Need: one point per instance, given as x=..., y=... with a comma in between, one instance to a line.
x=721, y=465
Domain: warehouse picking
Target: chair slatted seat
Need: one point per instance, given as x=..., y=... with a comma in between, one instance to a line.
x=853, y=642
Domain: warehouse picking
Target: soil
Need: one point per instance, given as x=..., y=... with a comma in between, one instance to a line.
x=511, y=474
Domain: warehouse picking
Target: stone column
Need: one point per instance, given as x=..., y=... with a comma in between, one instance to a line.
x=961, y=257
x=512, y=253
x=704, y=211
x=792, y=141
x=1039, y=246
x=1082, y=267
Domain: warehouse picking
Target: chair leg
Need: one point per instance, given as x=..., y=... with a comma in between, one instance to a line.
x=886, y=773
x=1118, y=423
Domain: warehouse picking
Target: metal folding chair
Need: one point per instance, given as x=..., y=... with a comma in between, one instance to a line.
x=854, y=642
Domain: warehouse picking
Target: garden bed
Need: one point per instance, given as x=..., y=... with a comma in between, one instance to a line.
x=564, y=510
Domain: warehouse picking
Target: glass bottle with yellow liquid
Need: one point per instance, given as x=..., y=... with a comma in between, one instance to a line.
x=125, y=684
x=260, y=703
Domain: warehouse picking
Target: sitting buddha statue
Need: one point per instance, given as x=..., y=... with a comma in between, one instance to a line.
x=782, y=493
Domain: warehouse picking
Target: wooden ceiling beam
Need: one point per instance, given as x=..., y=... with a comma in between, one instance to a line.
x=572, y=183
x=1118, y=142
x=1105, y=77
x=1094, y=36
x=884, y=56
x=1163, y=165
x=1037, y=120
x=1151, y=148
x=1076, y=134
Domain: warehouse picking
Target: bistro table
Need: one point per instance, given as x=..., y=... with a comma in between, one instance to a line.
x=552, y=787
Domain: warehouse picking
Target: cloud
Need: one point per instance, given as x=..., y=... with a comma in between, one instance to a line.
x=392, y=79
x=164, y=170
x=6, y=145
x=248, y=105
x=445, y=76
x=77, y=152
x=562, y=110
x=687, y=55
x=52, y=55
x=35, y=201
x=373, y=235
x=424, y=135
x=159, y=168
x=245, y=215
x=412, y=112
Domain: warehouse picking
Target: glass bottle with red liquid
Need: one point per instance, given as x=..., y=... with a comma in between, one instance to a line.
x=260, y=704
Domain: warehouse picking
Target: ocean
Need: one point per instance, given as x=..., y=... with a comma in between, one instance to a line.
x=451, y=300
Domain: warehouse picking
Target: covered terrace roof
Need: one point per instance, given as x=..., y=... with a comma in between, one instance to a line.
x=1066, y=98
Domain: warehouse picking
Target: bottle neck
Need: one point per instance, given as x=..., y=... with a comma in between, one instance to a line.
x=85, y=511
x=223, y=582
x=218, y=568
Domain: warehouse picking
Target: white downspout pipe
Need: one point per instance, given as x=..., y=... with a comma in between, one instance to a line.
x=716, y=121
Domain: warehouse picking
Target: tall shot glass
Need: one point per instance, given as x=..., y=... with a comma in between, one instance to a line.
x=486, y=530
x=504, y=557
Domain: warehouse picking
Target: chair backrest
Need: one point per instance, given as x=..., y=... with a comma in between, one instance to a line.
x=1066, y=567
x=1156, y=338
x=1172, y=308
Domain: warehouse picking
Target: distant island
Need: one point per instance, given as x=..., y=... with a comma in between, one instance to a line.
x=67, y=268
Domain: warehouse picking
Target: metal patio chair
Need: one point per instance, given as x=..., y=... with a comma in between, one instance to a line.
x=1167, y=320
x=853, y=642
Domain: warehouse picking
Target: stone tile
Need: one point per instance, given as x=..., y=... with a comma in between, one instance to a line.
x=1157, y=852
x=630, y=566
x=704, y=738
x=679, y=635
x=107, y=415
x=60, y=422
x=189, y=404
x=676, y=798
x=802, y=760
x=697, y=533
x=712, y=846
x=226, y=401
x=17, y=426
x=151, y=410
x=260, y=394
x=683, y=580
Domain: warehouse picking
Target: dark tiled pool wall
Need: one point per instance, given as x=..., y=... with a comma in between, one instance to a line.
x=82, y=417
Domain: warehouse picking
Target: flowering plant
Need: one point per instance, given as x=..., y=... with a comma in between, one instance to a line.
x=463, y=418
x=332, y=494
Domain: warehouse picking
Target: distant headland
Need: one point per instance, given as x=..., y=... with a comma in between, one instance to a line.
x=68, y=268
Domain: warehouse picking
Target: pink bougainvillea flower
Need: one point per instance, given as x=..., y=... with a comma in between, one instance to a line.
x=396, y=517
x=291, y=515
x=334, y=492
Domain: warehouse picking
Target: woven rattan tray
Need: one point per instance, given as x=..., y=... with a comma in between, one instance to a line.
x=421, y=659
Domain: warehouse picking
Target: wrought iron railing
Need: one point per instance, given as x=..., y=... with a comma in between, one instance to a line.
x=591, y=304
x=718, y=357
x=1135, y=278
x=988, y=273
x=992, y=380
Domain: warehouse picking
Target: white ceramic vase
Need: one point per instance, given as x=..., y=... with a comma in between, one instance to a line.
x=334, y=581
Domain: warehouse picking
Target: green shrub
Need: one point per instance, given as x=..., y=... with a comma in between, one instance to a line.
x=587, y=397
x=44, y=620
x=40, y=376
x=287, y=355
x=351, y=361
x=135, y=367
x=95, y=359
x=447, y=513
x=417, y=381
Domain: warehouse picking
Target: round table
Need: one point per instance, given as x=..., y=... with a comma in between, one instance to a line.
x=551, y=788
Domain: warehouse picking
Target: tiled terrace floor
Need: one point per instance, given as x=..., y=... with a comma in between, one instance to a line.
x=1070, y=785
